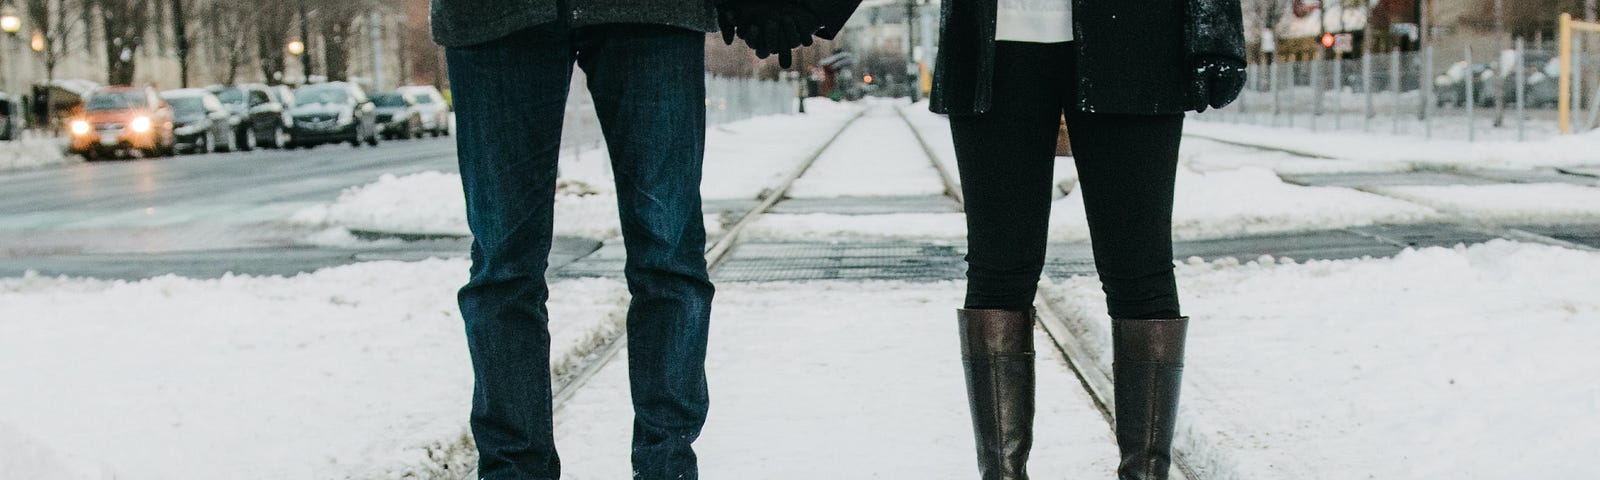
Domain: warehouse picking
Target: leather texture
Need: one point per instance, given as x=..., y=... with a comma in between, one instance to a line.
x=1133, y=56
x=1147, y=373
x=998, y=357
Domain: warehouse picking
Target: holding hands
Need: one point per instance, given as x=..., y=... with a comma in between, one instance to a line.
x=768, y=26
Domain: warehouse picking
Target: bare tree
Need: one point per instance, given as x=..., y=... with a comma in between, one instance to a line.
x=57, y=23
x=124, y=24
x=272, y=21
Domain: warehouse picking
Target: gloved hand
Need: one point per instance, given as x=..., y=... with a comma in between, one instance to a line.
x=768, y=26
x=1215, y=82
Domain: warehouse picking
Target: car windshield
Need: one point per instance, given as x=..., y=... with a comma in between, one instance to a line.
x=114, y=101
x=231, y=95
x=311, y=96
x=389, y=100
x=186, y=106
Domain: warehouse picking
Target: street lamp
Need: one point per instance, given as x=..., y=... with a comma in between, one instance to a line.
x=9, y=21
x=296, y=47
x=37, y=42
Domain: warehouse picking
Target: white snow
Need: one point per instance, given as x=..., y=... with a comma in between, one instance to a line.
x=1251, y=200
x=1530, y=203
x=838, y=380
x=1466, y=362
x=834, y=227
x=743, y=160
x=877, y=156
x=358, y=371
x=29, y=153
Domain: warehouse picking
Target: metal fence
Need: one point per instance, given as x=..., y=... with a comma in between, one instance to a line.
x=727, y=100
x=1468, y=96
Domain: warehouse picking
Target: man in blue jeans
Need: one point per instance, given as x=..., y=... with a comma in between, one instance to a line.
x=510, y=64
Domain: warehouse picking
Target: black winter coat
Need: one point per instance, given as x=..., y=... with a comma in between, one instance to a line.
x=1134, y=56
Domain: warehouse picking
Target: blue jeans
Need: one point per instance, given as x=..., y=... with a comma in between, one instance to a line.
x=648, y=86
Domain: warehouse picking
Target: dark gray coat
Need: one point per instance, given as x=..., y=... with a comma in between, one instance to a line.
x=459, y=23
x=1134, y=56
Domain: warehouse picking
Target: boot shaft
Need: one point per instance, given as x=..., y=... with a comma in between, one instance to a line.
x=1147, y=373
x=998, y=359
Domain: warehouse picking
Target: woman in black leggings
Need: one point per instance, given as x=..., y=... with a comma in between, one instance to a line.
x=1123, y=73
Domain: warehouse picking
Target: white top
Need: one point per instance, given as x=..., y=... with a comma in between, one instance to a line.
x=1038, y=21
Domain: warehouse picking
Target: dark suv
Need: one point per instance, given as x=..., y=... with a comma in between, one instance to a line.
x=261, y=119
x=333, y=112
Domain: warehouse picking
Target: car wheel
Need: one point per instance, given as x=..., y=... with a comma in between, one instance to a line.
x=280, y=137
x=249, y=142
x=373, y=140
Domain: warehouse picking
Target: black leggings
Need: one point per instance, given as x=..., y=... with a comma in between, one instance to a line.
x=1126, y=169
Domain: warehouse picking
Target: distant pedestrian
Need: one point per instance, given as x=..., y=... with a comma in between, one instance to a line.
x=1123, y=73
x=510, y=64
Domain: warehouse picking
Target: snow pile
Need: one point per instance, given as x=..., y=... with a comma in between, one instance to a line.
x=827, y=226
x=432, y=203
x=1531, y=203
x=1559, y=151
x=1202, y=155
x=1476, y=360
x=855, y=380
x=1249, y=201
x=24, y=457
x=33, y=153
x=358, y=371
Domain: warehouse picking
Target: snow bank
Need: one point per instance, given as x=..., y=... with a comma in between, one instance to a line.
x=839, y=380
x=33, y=153
x=1248, y=201
x=432, y=203
x=1560, y=151
x=1534, y=203
x=358, y=371
x=832, y=227
x=1470, y=362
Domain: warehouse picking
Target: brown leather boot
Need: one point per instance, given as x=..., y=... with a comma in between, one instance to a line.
x=1147, y=372
x=997, y=353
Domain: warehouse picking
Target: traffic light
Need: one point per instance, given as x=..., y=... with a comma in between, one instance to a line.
x=1327, y=40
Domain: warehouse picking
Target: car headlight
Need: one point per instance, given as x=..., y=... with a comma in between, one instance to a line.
x=140, y=124
x=80, y=127
x=346, y=117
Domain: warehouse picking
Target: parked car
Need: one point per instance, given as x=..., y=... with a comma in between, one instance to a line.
x=1450, y=88
x=333, y=112
x=1542, y=73
x=435, y=110
x=200, y=122
x=260, y=115
x=118, y=120
x=399, y=116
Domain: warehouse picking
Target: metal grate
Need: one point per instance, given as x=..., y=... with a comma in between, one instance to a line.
x=868, y=205
x=774, y=262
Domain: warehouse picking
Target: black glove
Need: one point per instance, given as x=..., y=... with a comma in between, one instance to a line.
x=1215, y=82
x=769, y=26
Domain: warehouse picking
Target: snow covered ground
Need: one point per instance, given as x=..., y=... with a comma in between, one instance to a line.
x=743, y=160
x=33, y=153
x=834, y=227
x=1570, y=150
x=1248, y=201
x=1524, y=203
x=839, y=380
x=877, y=157
x=1467, y=362
x=350, y=372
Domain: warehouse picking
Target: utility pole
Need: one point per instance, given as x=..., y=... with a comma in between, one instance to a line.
x=1588, y=10
x=1500, y=75
x=305, y=37
x=180, y=30
x=913, y=80
x=376, y=30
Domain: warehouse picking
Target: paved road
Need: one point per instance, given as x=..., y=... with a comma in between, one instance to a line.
x=206, y=215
